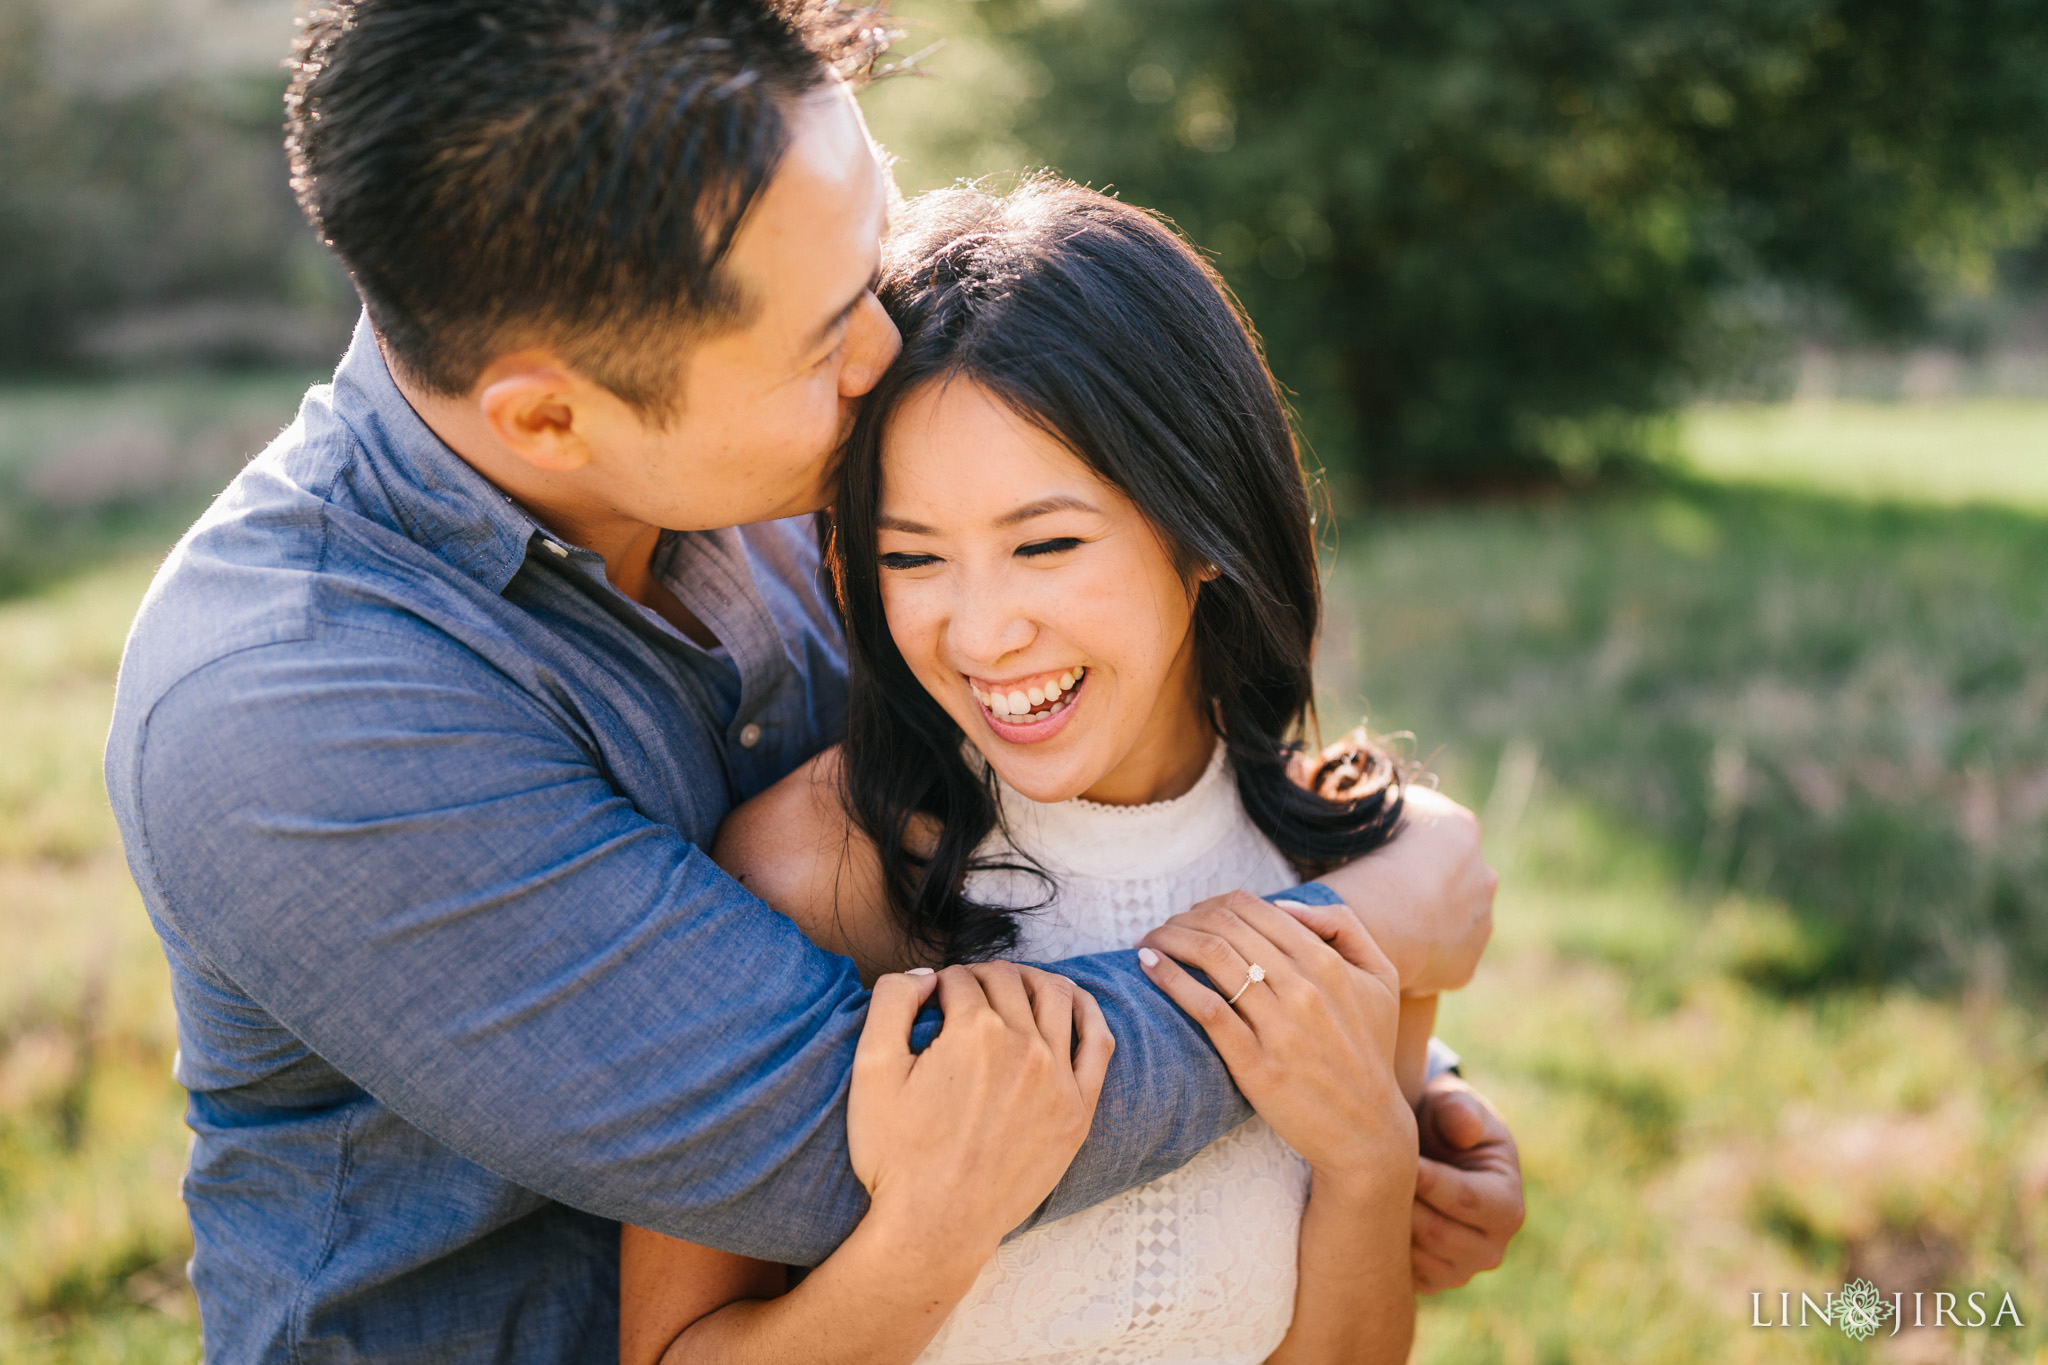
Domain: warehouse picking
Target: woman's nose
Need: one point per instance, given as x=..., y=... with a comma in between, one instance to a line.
x=987, y=629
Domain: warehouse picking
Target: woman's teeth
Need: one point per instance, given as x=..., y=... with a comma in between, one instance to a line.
x=1028, y=705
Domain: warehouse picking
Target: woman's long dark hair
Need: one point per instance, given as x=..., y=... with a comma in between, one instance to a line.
x=1095, y=321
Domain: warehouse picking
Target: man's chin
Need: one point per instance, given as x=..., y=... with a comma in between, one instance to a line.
x=754, y=514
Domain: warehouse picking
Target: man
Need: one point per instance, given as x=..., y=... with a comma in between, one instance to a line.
x=422, y=728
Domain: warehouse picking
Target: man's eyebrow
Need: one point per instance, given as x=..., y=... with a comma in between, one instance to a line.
x=1063, y=502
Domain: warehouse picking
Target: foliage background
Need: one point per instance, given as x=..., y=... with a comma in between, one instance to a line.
x=1486, y=238
x=144, y=214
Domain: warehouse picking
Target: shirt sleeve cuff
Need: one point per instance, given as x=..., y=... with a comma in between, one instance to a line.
x=1308, y=893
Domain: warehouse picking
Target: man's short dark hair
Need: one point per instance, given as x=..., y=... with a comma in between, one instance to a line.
x=499, y=173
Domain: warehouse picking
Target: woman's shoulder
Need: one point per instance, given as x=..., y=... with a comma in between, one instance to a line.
x=796, y=847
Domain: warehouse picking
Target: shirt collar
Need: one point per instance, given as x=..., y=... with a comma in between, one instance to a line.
x=441, y=501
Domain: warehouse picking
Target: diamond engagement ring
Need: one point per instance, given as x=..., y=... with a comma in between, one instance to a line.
x=1256, y=973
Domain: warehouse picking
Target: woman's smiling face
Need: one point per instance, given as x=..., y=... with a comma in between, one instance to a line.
x=1036, y=603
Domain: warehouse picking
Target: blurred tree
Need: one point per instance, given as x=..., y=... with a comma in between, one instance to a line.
x=163, y=198
x=1486, y=238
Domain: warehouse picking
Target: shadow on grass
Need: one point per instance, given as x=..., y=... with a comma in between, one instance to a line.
x=1839, y=706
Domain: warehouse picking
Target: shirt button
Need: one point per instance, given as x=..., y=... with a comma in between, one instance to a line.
x=557, y=547
x=750, y=735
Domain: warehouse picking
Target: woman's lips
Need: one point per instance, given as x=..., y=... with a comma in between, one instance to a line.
x=1039, y=720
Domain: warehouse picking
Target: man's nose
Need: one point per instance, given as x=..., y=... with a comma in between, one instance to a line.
x=872, y=343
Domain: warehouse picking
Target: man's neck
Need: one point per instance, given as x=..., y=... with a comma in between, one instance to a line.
x=559, y=503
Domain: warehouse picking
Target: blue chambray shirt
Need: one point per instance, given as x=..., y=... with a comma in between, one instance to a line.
x=417, y=803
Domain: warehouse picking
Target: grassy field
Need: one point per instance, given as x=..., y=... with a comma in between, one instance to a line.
x=1763, y=763
x=1987, y=452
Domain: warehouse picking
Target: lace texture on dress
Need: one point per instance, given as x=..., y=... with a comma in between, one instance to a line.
x=1198, y=1267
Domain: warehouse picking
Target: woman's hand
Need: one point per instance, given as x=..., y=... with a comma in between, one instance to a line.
x=1311, y=1045
x=959, y=1144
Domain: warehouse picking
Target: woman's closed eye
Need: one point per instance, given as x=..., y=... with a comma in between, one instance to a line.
x=1057, y=545
x=905, y=559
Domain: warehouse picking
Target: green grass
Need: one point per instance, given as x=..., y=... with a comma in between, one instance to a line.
x=93, y=469
x=1833, y=704
x=92, y=1235
x=1988, y=451
x=1689, y=1138
x=1763, y=763
x=1765, y=771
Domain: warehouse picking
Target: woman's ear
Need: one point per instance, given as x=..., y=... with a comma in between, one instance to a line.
x=532, y=403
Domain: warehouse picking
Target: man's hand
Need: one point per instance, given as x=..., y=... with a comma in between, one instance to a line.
x=1427, y=897
x=1468, y=1187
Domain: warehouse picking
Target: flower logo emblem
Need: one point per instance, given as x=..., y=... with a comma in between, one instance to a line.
x=1860, y=1310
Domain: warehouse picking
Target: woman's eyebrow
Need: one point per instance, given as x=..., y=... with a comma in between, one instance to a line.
x=1063, y=502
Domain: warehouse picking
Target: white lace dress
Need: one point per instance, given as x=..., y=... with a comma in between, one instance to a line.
x=1197, y=1268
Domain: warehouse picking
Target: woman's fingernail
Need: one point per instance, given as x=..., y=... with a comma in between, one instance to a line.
x=919, y=971
x=1148, y=957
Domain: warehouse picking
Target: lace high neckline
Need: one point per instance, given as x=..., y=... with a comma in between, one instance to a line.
x=1125, y=843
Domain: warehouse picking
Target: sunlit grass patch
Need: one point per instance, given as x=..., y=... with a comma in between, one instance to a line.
x=1687, y=1146
x=1839, y=707
x=1766, y=774
x=1967, y=451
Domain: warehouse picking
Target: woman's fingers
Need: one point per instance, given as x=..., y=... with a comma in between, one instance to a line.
x=1224, y=944
x=1229, y=1033
x=961, y=1001
x=884, y=1046
x=1286, y=933
x=1093, y=1048
x=1002, y=985
x=1214, y=955
x=1052, y=1007
x=1073, y=1026
x=1340, y=928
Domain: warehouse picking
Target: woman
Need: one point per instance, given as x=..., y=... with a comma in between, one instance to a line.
x=1075, y=554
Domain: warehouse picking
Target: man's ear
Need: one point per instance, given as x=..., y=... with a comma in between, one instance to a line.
x=538, y=408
